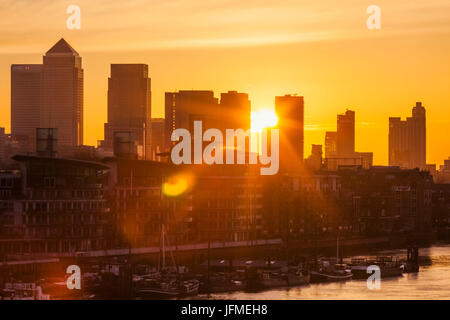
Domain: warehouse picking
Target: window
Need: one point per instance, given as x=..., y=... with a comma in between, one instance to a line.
x=50, y=182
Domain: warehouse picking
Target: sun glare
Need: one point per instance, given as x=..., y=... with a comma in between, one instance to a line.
x=261, y=119
x=177, y=185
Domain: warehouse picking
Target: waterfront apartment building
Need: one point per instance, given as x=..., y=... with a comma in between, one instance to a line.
x=227, y=204
x=129, y=106
x=356, y=203
x=216, y=203
x=290, y=112
x=407, y=140
x=137, y=202
x=387, y=200
x=54, y=207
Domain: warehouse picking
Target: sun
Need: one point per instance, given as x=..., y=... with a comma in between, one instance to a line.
x=264, y=118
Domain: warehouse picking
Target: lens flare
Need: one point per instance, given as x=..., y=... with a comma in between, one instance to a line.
x=177, y=185
x=261, y=119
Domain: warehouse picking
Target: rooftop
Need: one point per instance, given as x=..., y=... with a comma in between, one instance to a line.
x=62, y=47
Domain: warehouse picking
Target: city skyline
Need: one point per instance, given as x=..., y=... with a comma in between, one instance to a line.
x=192, y=150
x=324, y=72
x=213, y=95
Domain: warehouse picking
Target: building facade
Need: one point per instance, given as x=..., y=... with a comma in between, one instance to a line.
x=345, y=143
x=290, y=112
x=62, y=96
x=157, y=145
x=407, y=140
x=129, y=105
x=235, y=110
x=184, y=107
x=26, y=89
x=55, y=207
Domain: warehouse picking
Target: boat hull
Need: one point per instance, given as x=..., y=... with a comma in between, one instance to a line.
x=156, y=292
x=360, y=272
x=318, y=277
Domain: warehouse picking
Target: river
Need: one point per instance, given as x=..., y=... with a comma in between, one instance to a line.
x=431, y=282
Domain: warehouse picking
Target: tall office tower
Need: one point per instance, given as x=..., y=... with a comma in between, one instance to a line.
x=157, y=138
x=2, y=145
x=235, y=110
x=330, y=144
x=129, y=105
x=184, y=107
x=419, y=136
x=346, y=134
x=290, y=112
x=25, y=104
x=407, y=140
x=62, y=95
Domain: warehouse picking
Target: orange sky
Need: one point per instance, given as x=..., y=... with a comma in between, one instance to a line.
x=319, y=49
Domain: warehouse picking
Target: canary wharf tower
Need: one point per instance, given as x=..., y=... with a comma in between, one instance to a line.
x=62, y=94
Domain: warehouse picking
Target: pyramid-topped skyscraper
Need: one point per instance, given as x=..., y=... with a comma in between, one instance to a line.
x=48, y=95
x=62, y=95
x=62, y=47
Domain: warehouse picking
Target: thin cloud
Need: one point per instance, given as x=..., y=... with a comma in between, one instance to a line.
x=160, y=24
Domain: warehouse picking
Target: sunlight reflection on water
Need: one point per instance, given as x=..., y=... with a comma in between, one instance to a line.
x=432, y=282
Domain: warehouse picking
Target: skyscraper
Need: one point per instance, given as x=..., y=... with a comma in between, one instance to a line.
x=62, y=95
x=2, y=145
x=290, y=112
x=407, y=140
x=340, y=145
x=158, y=126
x=129, y=105
x=26, y=89
x=235, y=110
x=346, y=134
x=184, y=107
x=330, y=144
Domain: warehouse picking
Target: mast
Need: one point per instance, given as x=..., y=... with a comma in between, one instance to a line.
x=337, y=249
x=209, y=251
x=163, y=248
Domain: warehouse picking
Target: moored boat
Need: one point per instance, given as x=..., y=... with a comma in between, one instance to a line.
x=167, y=288
x=221, y=282
x=330, y=273
x=283, y=277
x=388, y=267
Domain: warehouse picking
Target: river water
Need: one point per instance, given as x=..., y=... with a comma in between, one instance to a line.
x=432, y=282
